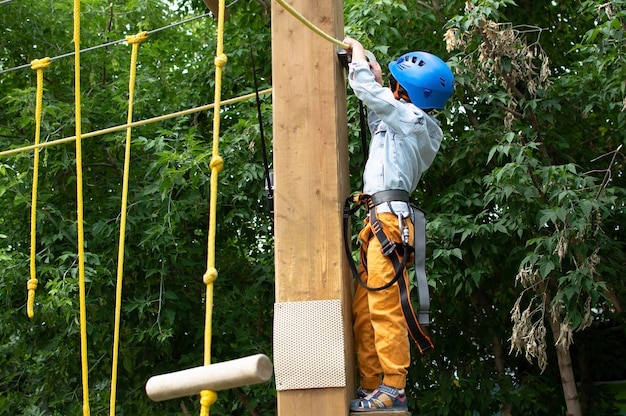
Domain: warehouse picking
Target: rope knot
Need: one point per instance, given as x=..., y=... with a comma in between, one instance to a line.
x=30, y=302
x=32, y=284
x=40, y=63
x=217, y=163
x=138, y=38
x=207, y=398
x=209, y=276
x=221, y=60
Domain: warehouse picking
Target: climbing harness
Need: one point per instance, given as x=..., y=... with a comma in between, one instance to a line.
x=398, y=254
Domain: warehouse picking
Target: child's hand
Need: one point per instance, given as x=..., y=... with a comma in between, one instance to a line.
x=355, y=49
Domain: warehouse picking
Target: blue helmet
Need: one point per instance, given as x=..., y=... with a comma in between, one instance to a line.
x=426, y=78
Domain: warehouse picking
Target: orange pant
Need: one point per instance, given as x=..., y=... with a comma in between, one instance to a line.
x=380, y=331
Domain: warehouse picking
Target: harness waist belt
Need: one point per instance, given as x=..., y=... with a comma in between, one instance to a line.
x=391, y=195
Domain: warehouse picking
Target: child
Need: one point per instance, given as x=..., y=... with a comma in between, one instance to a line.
x=405, y=140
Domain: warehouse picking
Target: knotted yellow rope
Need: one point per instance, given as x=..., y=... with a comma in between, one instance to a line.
x=79, y=210
x=310, y=25
x=209, y=397
x=38, y=65
x=134, y=41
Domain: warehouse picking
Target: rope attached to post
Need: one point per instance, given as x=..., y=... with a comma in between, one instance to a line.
x=134, y=41
x=38, y=65
x=209, y=397
x=310, y=25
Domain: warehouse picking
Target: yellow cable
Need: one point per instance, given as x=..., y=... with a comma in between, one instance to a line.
x=38, y=65
x=134, y=41
x=113, y=129
x=79, y=219
x=310, y=25
x=208, y=397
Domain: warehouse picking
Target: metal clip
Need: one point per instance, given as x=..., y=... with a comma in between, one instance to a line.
x=405, y=231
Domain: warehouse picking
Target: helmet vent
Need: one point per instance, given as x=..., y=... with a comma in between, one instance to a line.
x=443, y=82
x=415, y=61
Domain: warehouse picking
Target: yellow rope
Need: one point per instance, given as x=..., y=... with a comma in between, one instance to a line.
x=38, y=65
x=134, y=41
x=208, y=397
x=310, y=25
x=114, y=129
x=79, y=220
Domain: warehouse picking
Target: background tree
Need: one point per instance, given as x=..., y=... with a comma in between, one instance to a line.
x=525, y=203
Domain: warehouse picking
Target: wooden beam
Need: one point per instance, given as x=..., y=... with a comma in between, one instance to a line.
x=213, y=6
x=311, y=181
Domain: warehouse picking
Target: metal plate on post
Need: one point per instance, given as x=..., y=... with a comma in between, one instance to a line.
x=309, y=345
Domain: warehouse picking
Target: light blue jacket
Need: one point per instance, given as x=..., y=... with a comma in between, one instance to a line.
x=404, y=140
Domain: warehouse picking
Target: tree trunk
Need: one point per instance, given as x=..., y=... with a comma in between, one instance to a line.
x=499, y=353
x=566, y=370
x=483, y=299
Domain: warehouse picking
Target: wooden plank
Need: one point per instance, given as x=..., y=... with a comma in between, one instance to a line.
x=213, y=6
x=311, y=180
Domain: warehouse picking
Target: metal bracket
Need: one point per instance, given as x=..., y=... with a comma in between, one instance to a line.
x=344, y=58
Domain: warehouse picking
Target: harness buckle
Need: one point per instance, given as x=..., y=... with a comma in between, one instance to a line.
x=387, y=246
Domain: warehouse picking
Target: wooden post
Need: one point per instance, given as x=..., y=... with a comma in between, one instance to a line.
x=311, y=181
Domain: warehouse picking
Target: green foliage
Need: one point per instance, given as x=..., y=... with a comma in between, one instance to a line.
x=522, y=196
x=529, y=184
x=165, y=253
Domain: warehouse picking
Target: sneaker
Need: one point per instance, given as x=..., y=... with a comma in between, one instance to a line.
x=383, y=398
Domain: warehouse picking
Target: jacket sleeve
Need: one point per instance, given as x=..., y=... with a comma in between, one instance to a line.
x=404, y=119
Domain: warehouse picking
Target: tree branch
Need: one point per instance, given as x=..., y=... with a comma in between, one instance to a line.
x=607, y=172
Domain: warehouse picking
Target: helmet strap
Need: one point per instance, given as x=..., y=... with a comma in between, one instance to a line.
x=398, y=91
